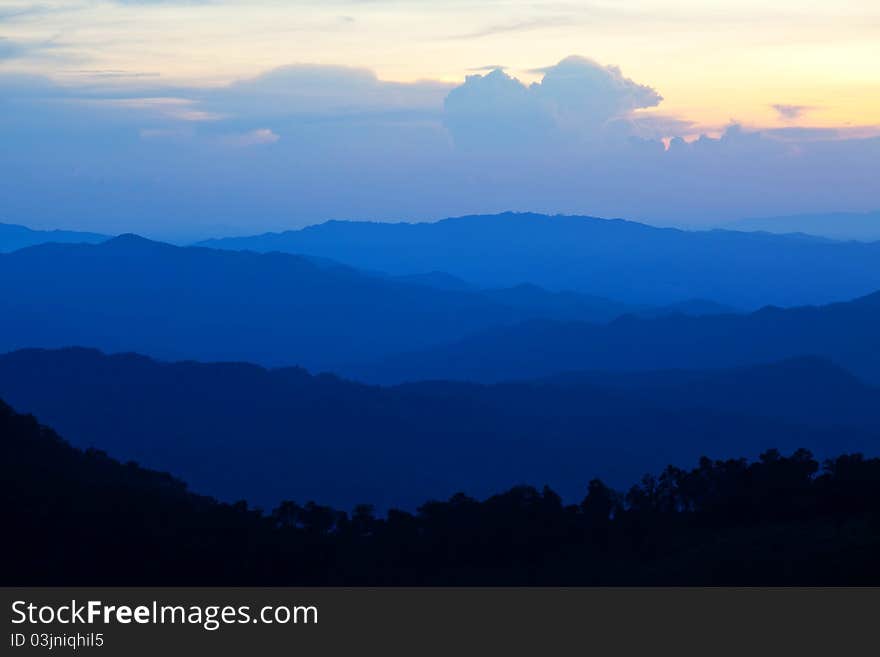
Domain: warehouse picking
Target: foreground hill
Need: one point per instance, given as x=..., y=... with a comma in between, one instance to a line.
x=14, y=237
x=845, y=333
x=124, y=525
x=241, y=431
x=623, y=260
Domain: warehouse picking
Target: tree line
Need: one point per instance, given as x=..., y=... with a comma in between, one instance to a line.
x=80, y=517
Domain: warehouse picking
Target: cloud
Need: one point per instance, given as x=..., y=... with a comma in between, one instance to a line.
x=518, y=26
x=14, y=49
x=178, y=109
x=651, y=126
x=306, y=143
x=327, y=91
x=583, y=92
x=47, y=51
x=28, y=11
x=164, y=2
x=791, y=112
x=488, y=67
x=111, y=73
x=495, y=111
x=576, y=98
x=252, y=138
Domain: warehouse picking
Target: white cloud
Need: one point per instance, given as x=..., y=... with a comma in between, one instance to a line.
x=324, y=90
x=576, y=98
x=595, y=93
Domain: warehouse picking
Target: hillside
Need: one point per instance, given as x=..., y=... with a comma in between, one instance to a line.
x=81, y=517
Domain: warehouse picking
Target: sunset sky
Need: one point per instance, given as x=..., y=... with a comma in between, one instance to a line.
x=182, y=70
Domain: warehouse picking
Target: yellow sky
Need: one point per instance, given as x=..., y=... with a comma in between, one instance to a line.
x=712, y=61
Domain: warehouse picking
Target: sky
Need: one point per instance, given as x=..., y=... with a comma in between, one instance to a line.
x=188, y=118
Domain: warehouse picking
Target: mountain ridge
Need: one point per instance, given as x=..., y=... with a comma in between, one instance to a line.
x=15, y=236
x=844, y=332
x=236, y=430
x=615, y=258
x=861, y=226
x=130, y=293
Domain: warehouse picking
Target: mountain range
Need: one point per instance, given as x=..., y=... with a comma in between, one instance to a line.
x=622, y=260
x=236, y=430
x=470, y=354
x=845, y=333
x=133, y=294
x=14, y=237
x=864, y=226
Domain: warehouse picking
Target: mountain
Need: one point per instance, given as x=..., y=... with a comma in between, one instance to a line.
x=132, y=294
x=864, y=226
x=241, y=431
x=845, y=333
x=13, y=237
x=622, y=260
x=566, y=305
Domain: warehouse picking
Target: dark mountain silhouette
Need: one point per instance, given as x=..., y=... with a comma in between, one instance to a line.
x=621, y=260
x=132, y=294
x=241, y=431
x=120, y=523
x=777, y=520
x=864, y=226
x=14, y=237
x=845, y=333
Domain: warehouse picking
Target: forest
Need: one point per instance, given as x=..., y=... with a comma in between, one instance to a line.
x=80, y=517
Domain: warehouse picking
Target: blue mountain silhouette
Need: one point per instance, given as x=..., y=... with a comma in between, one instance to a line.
x=845, y=333
x=133, y=294
x=14, y=237
x=863, y=226
x=622, y=260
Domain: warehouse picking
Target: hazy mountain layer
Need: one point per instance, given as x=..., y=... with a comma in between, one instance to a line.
x=13, y=237
x=132, y=294
x=241, y=431
x=864, y=226
x=622, y=260
x=845, y=333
